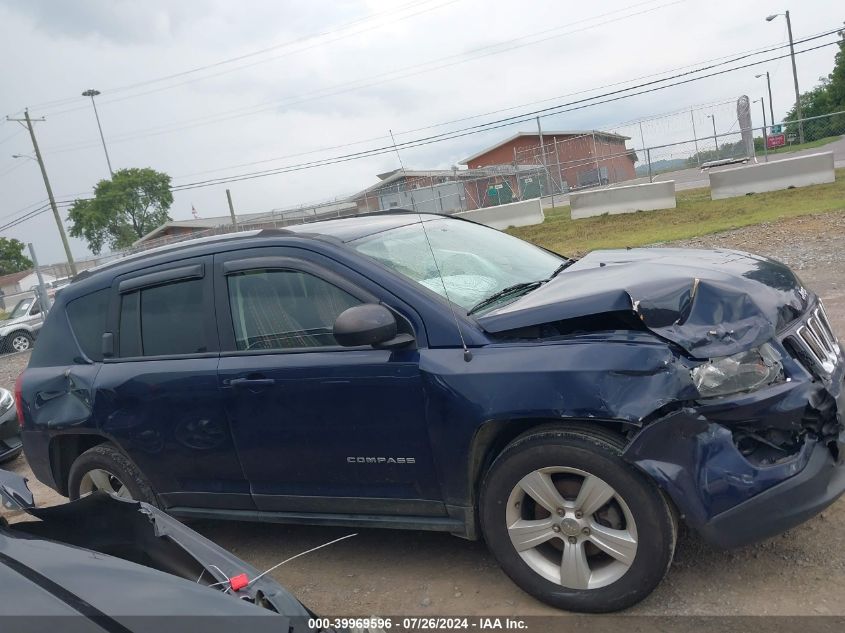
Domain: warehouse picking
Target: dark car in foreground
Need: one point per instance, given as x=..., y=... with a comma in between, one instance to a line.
x=105, y=564
x=425, y=372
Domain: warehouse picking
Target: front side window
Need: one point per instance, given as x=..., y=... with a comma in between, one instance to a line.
x=284, y=309
x=474, y=261
x=163, y=320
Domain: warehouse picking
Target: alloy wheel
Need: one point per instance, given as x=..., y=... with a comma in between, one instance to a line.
x=20, y=343
x=571, y=527
x=100, y=479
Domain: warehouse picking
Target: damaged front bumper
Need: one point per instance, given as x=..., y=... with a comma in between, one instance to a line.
x=729, y=491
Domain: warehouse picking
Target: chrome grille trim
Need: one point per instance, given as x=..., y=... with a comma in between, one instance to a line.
x=817, y=343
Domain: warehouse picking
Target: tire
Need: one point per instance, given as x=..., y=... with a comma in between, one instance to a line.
x=636, y=524
x=124, y=478
x=20, y=341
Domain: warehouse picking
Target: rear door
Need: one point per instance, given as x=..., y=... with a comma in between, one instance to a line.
x=157, y=394
x=319, y=427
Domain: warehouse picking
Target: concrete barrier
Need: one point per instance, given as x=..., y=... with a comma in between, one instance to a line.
x=786, y=173
x=501, y=217
x=645, y=197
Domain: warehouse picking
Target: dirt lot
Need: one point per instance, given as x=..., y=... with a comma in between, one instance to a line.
x=394, y=572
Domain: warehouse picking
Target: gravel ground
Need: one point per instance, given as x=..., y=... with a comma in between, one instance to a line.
x=393, y=572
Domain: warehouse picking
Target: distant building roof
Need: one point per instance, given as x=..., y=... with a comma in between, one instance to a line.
x=609, y=135
x=459, y=174
x=14, y=278
x=245, y=218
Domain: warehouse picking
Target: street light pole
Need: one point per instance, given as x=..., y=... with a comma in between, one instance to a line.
x=769, y=85
x=712, y=117
x=93, y=93
x=794, y=73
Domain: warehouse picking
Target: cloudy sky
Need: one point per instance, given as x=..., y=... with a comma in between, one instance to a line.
x=210, y=88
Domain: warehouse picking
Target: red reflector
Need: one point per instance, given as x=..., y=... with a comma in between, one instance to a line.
x=238, y=582
x=19, y=399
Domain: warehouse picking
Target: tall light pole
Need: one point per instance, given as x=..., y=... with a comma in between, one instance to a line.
x=712, y=117
x=93, y=93
x=769, y=84
x=794, y=73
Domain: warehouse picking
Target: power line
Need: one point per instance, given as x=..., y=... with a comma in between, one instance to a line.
x=580, y=104
x=384, y=77
x=33, y=204
x=743, y=54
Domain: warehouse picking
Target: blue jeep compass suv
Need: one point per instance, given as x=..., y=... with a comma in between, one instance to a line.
x=425, y=372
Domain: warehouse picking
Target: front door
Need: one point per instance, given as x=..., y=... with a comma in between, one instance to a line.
x=318, y=427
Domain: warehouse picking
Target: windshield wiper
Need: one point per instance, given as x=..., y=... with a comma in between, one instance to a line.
x=504, y=292
x=566, y=264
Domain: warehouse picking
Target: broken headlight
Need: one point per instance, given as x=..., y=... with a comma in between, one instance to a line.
x=745, y=371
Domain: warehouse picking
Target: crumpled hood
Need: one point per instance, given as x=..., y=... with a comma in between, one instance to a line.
x=709, y=302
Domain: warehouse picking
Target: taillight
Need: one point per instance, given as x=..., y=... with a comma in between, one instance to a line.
x=19, y=399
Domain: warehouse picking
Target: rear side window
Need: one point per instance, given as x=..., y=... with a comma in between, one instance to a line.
x=87, y=317
x=163, y=320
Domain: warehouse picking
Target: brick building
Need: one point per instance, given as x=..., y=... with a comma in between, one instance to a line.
x=574, y=159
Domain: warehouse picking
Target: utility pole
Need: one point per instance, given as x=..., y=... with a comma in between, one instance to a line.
x=40, y=160
x=545, y=167
x=695, y=138
x=232, y=209
x=798, y=113
x=93, y=93
x=712, y=117
x=647, y=153
x=769, y=84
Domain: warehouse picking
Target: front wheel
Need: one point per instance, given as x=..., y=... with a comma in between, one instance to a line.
x=573, y=524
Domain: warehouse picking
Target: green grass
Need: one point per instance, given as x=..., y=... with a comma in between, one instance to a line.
x=786, y=149
x=696, y=215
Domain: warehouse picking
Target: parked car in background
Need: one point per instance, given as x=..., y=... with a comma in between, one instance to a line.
x=19, y=331
x=108, y=564
x=10, y=432
x=425, y=372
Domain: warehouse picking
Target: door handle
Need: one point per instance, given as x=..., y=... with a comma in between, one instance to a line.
x=251, y=382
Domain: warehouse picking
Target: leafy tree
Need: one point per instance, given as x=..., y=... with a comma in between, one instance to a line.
x=12, y=259
x=123, y=209
x=827, y=97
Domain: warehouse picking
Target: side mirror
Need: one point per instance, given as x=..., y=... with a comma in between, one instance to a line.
x=369, y=324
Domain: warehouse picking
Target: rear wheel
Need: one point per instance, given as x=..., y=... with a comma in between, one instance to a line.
x=573, y=524
x=106, y=469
